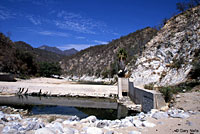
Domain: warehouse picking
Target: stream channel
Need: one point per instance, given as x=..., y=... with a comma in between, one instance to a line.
x=82, y=107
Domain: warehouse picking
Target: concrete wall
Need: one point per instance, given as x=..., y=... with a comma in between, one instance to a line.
x=7, y=77
x=149, y=99
x=123, y=86
x=60, y=89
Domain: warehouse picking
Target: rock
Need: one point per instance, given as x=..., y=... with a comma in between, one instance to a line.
x=70, y=122
x=90, y=119
x=74, y=118
x=148, y=124
x=94, y=130
x=44, y=131
x=134, y=132
x=16, y=125
x=4, y=119
x=164, y=108
x=126, y=123
x=178, y=96
x=12, y=117
x=177, y=113
x=189, y=123
x=142, y=116
x=102, y=124
x=57, y=127
x=33, y=126
x=110, y=132
x=180, y=115
x=9, y=130
x=2, y=115
x=160, y=115
x=137, y=123
x=115, y=123
x=130, y=118
x=68, y=131
x=59, y=120
x=160, y=122
x=1, y=112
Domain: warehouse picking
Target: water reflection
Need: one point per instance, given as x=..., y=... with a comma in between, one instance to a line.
x=82, y=107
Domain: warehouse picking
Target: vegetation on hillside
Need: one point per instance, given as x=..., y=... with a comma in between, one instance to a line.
x=25, y=61
x=183, y=6
x=102, y=60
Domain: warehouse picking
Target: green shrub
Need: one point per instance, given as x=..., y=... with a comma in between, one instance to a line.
x=195, y=71
x=167, y=93
x=48, y=69
x=183, y=87
x=149, y=86
x=177, y=63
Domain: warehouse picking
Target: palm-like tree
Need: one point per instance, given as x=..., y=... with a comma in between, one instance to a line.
x=122, y=55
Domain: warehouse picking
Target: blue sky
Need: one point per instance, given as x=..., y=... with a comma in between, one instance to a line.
x=79, y=23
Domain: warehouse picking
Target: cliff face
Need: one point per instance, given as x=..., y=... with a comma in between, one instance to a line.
x=101, y=59
x=168, y=57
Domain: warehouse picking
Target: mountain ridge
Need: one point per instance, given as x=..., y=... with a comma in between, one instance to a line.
x=67, y=52
x=101, y=60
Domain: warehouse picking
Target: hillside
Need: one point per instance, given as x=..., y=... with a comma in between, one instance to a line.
x=7, y=55
x=172, y=55
x=58, y=51
x=39, y=54
x=102, y=60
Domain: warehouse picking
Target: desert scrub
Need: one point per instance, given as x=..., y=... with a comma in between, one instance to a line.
x=149, y=86
x=51, y=119
x=168, y=91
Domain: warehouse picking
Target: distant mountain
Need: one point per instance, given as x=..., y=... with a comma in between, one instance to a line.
x=58, y=51
x=70, y=51
x=41, y=55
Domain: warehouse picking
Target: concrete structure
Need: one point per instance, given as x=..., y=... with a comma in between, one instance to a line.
x=123, y=87
x=149, y=99
x=7, y=77
x=99, y=103
x=60, y=89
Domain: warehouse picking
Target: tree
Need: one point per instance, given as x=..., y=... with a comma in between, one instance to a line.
x=181, y=7
x=122, y=55
x=48, y=69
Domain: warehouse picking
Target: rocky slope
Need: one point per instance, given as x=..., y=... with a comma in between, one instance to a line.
x=101, y=60
x=168, y=57
x=58, y=51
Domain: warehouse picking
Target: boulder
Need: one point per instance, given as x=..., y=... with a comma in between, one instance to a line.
x=74, y=118
x=9, y=130
x=177, y=113
x=94, y=130
x=102, y=124
x=45, y=131
x=148, y=124
x=57, y=127
x=134, y=132
x=126, y=123
x=137, y=123
x=69, y=130
x=160, y=115
x=110, y=132
x=90, y=119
